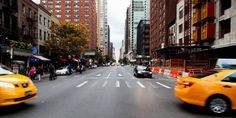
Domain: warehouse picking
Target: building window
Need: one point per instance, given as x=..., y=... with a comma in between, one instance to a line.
x=68, y=16
x=40, y=19
x=23, y=9
x=58, y=16
x=181, y=28
x=58, y=6
x=40, y=34
x=44, y=36
x=44, y=21
x=181, y=14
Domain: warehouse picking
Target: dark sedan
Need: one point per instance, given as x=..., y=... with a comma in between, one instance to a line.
x=142, y=71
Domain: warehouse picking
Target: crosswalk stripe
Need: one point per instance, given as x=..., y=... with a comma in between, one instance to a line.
x=117, y=83
x=141, y=84
x=128, y=85
x=80, y=85
x=163, y=85
x=104, y=84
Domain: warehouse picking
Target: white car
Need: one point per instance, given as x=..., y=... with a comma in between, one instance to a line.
x=62, y=71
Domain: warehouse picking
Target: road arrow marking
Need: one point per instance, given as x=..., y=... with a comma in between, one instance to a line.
x=163, y=85
x=120, y=75
x=80, y=85
x=98, y=75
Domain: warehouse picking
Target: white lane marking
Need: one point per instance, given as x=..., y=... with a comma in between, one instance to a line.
x=80, y=85
x=163, y=85
x=108, y=75
x=98, y=75
x=120, y=75
x=131, y=75
x=128, y=85
x=141, y=84
x=117, y=83
x=104, y=84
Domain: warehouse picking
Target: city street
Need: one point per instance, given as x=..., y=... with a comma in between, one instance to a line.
x=106, y=92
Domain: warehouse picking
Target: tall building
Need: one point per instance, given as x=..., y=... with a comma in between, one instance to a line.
x=127, y=31
x=98, y=11
x=77, y=11
x=143, y=38
x=103, y=27
x=128, y=41
x=163, y=14
x=122, y=50
x=111, y=50
x=139, y=11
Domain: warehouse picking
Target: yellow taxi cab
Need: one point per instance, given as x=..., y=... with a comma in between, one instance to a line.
x=215, y=90
x=15, y=88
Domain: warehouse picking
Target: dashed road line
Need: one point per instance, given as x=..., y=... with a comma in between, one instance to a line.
x=82, y=84
x=131, y=75
x=128, y=85
x=117, y=83
x=163, y=85
x=104, y=84
x=140, y=84
x=108, y=75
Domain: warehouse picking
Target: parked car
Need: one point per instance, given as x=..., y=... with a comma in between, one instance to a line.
x=94, y=66
x=215, y=90
x=62, y=71
x=142, y=71
x=15, y=88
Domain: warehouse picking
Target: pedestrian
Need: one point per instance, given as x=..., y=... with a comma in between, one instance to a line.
x=32, y=73
x=52, y=72
x=39, y=72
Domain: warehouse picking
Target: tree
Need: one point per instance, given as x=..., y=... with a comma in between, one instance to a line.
x=68, y=38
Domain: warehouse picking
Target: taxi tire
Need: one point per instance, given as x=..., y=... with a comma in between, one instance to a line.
x=218, y=97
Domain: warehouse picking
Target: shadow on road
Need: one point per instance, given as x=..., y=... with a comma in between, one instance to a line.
x=15, y=109
x=196, y=110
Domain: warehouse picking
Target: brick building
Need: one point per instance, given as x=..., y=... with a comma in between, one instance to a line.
x=77, y=11
x=162, y=14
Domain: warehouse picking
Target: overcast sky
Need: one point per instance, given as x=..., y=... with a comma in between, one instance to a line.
x=116, y=20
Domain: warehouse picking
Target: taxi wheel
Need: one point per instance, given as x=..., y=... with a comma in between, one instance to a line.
x=218, y=105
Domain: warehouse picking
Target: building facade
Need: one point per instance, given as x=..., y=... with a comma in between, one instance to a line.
x=44, y=25
x=82, y=12
x=163, y=14
x=143, y=38
x=139, y=11
x=103, y=27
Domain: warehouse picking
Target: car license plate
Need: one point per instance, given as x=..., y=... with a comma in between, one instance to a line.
x=145, y=74
x=27, y=93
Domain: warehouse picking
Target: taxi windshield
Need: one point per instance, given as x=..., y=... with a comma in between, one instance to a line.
x=5, y=71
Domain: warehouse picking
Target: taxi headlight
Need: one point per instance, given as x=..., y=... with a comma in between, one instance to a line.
x=6, y=85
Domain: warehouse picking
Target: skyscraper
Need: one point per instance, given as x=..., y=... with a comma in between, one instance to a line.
x=139, y=11
x=103, y=27
x=77, y=11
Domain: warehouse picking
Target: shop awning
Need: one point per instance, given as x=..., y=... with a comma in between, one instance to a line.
x=41, y=58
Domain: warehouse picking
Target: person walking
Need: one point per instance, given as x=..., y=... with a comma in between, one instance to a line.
x=52, y=72
x=32, y=73
x=39, y=72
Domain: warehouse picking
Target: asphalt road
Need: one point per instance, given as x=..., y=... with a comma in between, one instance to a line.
x=106, y=92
